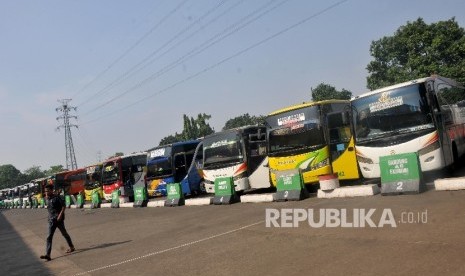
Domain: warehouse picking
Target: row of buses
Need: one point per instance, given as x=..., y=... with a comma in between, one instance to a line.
x=425, y=116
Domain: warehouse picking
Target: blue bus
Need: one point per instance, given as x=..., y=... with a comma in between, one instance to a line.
x=172, y=164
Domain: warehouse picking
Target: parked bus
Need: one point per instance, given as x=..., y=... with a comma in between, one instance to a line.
x=3, y=199
x=93, y=182
x=39, y=187
x=169, y=164
x=16, y=196
x=239, y=153
x=25, y=194
x=123, y=172
x=314, y=138
x=75, y=181
x=425, y=116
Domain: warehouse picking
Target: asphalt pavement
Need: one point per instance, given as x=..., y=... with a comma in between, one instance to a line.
x=382, y=235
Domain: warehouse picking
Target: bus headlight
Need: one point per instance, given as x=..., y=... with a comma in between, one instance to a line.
x=365, y=160
x=320, y=164
x=429, y=148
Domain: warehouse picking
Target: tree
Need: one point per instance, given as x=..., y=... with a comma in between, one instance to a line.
x=33, y=173
x=418, y=50
x=54, y=169
x=193, y=129
x=170, y=139
x=116, y=155
x=10, y=176
x=243, y=120
x=328, y=92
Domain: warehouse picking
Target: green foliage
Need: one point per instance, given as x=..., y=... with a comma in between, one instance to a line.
x=243, y=120
x=193, y=129
x=54, y=170
x=327, y=92
x=116, y=155
x=418, y=50
x=35, y=172
x=9, y=176
x=171, y=139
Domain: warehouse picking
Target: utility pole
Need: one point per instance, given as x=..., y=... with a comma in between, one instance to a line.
x=99, y=156
x=65, y=109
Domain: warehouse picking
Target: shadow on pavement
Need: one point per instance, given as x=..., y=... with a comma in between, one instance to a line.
x=104, y=245
x=15, y=256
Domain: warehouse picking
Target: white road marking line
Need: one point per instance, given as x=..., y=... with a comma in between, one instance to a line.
x=171, y=249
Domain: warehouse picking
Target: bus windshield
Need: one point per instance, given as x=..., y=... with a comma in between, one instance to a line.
x=402, y=110
x=159, y=163
x=225, y=148
x=110, y=173
x=94, y=175
x=296, y=134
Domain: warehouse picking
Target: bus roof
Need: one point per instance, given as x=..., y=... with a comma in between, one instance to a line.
x=94, y=165
x=407, y=83
x=125, y=156
x=236, y=129
x=306, y=104
x=196, y=141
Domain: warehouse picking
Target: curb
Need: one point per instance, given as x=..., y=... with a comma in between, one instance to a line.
x=258, y=198
x=449, y=184
x=350, y=191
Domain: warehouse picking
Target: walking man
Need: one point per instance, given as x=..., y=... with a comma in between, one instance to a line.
x=56, y=219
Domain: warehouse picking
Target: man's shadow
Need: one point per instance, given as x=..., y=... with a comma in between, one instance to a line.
x=104, y=245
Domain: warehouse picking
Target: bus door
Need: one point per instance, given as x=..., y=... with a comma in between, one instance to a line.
x=194, y=172
x=342, y=145
x=180, y=169
x=257, y=160
x=136, y=173
x=440, y=117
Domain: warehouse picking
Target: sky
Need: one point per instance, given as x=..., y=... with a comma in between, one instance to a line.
x=132, y=69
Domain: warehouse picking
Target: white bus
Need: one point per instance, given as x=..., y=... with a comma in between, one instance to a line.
x=426, y=116
x=239, y=153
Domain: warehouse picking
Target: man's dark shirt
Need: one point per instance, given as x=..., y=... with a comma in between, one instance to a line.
x=55, y=204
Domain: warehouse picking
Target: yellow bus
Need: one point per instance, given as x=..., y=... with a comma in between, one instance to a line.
x=93, y=182
x=314, y=138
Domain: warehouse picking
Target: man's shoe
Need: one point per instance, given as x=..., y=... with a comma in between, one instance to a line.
x=70, y=250
x=46, y=257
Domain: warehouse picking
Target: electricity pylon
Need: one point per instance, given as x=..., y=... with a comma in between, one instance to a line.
x=65, y=109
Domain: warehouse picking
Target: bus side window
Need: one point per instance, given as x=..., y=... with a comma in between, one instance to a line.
x=257, y=149
x=179, y=161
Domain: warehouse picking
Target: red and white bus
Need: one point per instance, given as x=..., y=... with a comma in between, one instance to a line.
x=123, y=172
x=425, y=116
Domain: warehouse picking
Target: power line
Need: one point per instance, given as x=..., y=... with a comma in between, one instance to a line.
x=88, y=150
x=282, y=31
x=230, y=30
x=139, y=41
x=150, y=58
